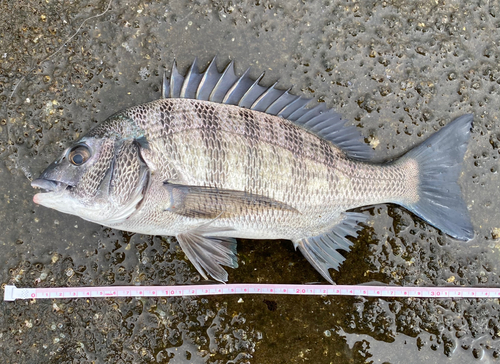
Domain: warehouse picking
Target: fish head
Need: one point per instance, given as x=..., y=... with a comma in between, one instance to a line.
x=99, y=179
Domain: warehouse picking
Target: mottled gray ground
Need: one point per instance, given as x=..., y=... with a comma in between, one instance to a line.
x=397, y=69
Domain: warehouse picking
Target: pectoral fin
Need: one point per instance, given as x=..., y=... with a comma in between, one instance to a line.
x=211, y=202
x=321, y=250
x=208, y=254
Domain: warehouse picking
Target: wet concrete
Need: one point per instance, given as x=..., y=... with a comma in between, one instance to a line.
x=399, y=70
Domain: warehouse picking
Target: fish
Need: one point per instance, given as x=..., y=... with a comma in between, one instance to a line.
x=221, y=157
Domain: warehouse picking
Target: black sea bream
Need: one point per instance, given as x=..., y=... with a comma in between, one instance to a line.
x=221, y=157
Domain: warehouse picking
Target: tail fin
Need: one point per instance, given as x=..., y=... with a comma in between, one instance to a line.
x=439, y=160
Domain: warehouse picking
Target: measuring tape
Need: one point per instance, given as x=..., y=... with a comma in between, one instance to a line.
x=13, y=293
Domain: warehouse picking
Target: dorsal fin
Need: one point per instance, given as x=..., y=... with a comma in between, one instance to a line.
x=227, y=88
x=191, y=82
x=176, y=81
x=226, y=80
x=253, y=93
x=238, y=89
x=208, y=81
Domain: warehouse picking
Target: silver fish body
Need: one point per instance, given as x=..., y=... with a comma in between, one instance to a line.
x=224, y=158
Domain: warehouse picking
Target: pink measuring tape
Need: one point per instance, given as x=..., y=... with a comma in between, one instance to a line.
x=13, y=293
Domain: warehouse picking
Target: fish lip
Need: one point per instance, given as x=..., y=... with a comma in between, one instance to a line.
x=47, y=185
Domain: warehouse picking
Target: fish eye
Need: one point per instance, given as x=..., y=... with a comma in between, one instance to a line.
x=79, y=155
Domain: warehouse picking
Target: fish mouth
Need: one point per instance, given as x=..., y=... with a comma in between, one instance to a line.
x=47, y=185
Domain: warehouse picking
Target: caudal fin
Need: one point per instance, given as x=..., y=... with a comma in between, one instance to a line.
x=439, y=161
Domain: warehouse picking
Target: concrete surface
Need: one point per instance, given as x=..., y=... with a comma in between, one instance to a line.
x=399, y=70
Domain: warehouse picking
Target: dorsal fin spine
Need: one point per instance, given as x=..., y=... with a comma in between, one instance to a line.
x=188, y=79
x=277, y=101
x=308, y=115
x=172, y=79
x=291, y=106
x=203, y=87
x=235, y=86
x=261, y=97
x=176, y=81
x=227, y=73
x=250, y=90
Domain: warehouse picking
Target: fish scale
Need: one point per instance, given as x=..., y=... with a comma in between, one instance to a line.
x=331, y=169
x=200, y=166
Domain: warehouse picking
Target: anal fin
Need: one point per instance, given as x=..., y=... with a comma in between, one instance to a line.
x=208, y=254
x=322, y=250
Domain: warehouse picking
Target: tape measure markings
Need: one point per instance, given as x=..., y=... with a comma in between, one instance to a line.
x=12, y=292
